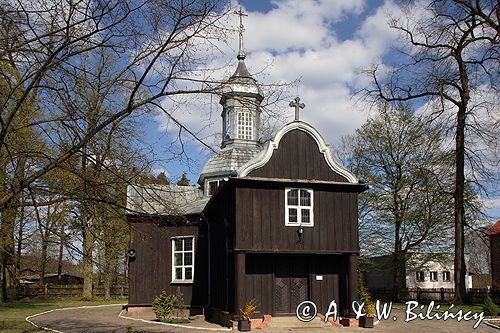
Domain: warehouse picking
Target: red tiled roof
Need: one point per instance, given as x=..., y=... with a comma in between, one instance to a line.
x=494, y=229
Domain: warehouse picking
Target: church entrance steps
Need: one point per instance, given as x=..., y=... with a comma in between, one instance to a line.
x=293, y=324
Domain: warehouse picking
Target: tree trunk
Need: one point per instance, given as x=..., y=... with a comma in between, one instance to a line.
x=397, y=263
x=108, y=281
x=7, y=245
x=43, y=262
x=459, y=278
x=20, y=239
x=88, y=246
x=7, y=241
x=61, y=248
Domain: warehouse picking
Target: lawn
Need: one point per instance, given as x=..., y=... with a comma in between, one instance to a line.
x=13, y=314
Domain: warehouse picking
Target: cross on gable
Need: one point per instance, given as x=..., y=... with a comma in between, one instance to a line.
x=241, y=53
x=297, y=105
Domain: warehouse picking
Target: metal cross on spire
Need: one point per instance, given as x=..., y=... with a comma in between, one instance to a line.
x=241, y=53
x=297, y=105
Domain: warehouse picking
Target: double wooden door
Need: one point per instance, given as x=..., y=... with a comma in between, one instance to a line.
x=291, y=284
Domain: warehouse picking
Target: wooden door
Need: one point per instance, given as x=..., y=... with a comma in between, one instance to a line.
x=291, y=285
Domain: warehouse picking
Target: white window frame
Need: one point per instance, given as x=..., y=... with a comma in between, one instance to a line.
x=299, y=208
x=417, y=278
x=208, y=185
x=244, y=121
x=446, y=276
x=183, y=267
x=433, y=276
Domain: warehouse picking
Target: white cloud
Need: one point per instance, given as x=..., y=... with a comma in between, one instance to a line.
x=294, y=41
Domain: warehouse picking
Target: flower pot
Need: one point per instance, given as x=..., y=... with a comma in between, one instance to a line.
x=366, y=322
x=244, y=325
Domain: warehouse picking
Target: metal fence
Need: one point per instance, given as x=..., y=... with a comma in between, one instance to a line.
x=444, y=295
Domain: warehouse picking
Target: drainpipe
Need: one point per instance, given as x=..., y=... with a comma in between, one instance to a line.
x=208, y=263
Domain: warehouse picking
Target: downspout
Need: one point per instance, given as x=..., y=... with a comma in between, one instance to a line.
x=208, y=263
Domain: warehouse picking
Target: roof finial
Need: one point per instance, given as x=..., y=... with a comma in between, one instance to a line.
x=241, y=53
x=297, y=105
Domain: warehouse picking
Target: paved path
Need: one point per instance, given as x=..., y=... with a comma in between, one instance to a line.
x=105, y=319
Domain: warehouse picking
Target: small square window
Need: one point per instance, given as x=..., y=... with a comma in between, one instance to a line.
x=213, y=185
x=446, y=276
x=433, y=276
x=420, y=276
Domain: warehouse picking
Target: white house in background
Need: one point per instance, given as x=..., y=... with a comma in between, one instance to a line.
x=430, y=271
x=422, y=270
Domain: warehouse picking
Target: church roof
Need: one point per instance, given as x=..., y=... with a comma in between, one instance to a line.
x=242, y=83
x=494, y=229
x=167, y=200
x=229, y=160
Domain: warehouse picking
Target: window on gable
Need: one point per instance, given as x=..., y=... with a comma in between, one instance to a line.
x=245, y=125
x=446, y=276
x=434, y=276
x=420, y=276
x=299, y=207
x=183, y=259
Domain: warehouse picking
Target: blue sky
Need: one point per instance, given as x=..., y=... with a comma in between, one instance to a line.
x=320, y=45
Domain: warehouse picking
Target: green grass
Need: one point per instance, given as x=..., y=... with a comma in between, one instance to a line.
x=13, y=314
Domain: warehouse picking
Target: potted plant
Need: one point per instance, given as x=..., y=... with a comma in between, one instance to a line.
x=244, y=320
x=367, y=321
x=364, y=296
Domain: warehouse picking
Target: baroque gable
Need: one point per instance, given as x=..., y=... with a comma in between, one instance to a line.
x=298, y=151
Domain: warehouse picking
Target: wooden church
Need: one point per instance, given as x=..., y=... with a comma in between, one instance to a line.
x=276, y=221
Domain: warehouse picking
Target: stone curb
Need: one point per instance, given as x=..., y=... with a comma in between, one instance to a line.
x=28, y=319
x=173, y=325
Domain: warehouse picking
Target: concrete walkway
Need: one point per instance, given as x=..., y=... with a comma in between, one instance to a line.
x=105, y=319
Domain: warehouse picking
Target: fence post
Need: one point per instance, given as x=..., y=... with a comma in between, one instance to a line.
x=418, y=294
x=46, y=289
x=441, y=295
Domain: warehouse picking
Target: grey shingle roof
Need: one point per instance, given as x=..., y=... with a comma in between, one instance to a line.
x=165, y=199
x=229, y=160
x=242, y=83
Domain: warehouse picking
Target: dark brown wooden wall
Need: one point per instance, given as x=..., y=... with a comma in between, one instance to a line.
x=150, y=272
x=297, y=157
x=495, y=260
x=221, y=219
x=260, y=283
x=260, y=221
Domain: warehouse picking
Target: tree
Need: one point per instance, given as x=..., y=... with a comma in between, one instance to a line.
x=400, y=156
x=184, y=181
x=450, y=61
x=44, y=46
x=162, y=178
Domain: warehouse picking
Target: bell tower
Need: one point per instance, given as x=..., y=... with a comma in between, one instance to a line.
x=241, y=98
